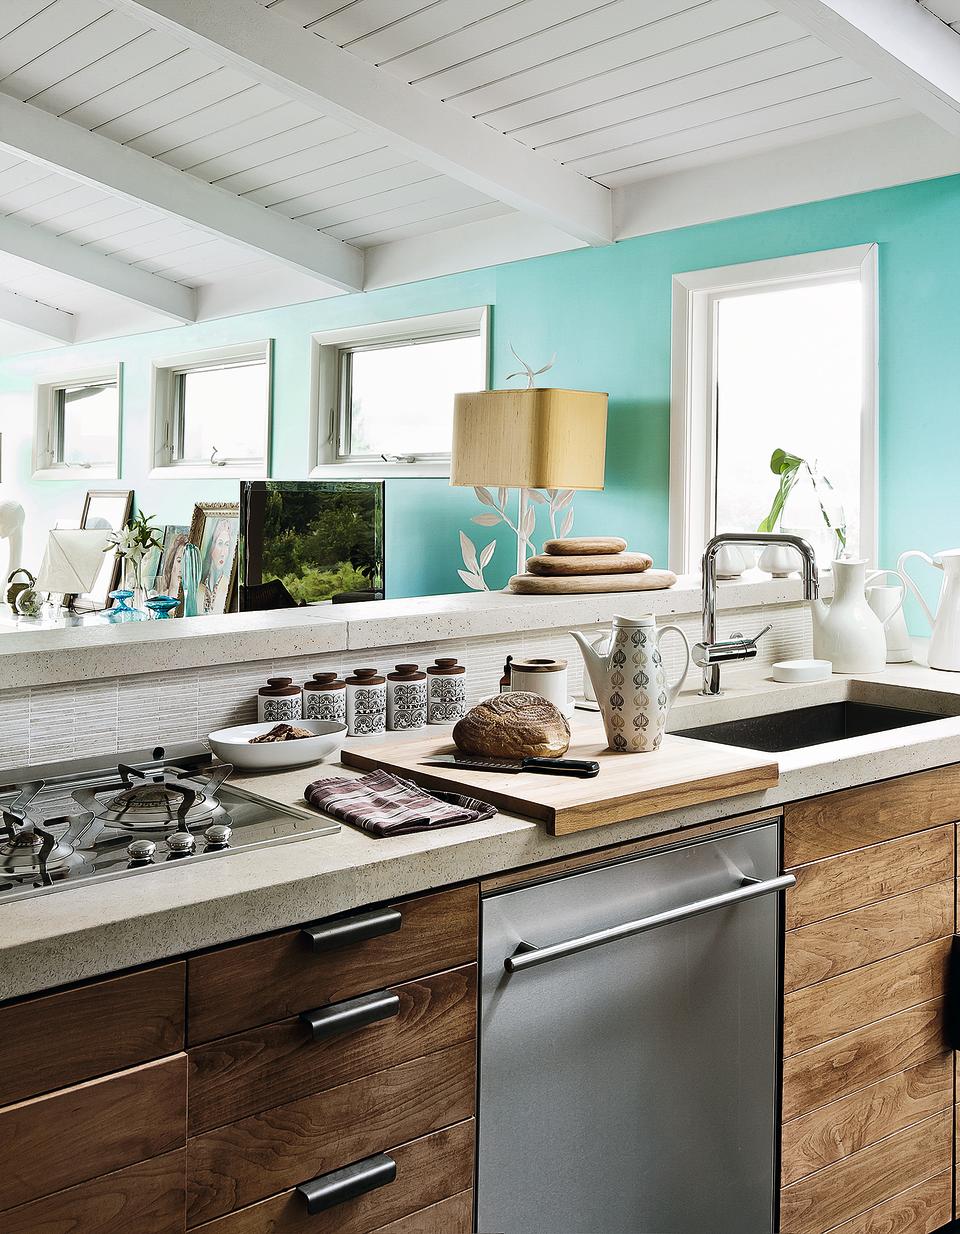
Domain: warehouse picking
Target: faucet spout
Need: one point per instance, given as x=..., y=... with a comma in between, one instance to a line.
x=712, y=653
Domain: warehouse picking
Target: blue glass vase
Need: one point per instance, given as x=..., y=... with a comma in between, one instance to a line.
x=190, y=578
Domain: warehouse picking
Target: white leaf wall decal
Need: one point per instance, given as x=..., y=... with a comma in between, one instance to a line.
x=487, y=553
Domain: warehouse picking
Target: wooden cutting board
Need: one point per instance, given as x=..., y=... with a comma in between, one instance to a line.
x=535, y=585
x=681, y=773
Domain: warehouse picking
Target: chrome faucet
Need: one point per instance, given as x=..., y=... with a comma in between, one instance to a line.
x=710, y=654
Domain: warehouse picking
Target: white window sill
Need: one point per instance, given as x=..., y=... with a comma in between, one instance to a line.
x=189, y=471
x=107, y=471
x=378, y=470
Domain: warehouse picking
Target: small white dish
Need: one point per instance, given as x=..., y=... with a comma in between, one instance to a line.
x=232, y=745
x=802, y=670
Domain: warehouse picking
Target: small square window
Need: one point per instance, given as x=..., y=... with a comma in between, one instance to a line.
x=383, y=397
x=212, y=412
x=78, y=426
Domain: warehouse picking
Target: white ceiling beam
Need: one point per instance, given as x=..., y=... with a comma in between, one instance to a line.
x=43, y=319
x=314, y=71
x=93, y=159
x=901, y=43
x=85, y=264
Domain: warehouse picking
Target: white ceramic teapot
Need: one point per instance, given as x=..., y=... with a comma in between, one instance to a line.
x=847, y=631
x=630, y=683
x=944, y=652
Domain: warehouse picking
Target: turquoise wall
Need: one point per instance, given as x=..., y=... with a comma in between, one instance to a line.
x=606, y=312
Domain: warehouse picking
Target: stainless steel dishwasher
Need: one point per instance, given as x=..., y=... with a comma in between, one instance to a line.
x=628, y=1045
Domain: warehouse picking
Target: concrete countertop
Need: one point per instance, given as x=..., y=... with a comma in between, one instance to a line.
x=98, y=928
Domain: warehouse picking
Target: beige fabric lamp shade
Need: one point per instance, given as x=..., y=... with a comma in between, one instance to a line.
x=72, y=560
x=535, y=438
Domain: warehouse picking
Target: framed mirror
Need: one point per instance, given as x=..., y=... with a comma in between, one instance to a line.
x=104, y=509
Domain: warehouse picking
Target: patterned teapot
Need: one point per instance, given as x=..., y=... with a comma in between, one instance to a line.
x=630, y=683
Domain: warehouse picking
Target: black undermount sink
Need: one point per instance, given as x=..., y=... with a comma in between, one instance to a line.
x=807, y=726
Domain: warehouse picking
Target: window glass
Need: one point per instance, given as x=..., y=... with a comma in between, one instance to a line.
x=86, y=428
x=398, y=400
x=222, y=409
x=789, y=376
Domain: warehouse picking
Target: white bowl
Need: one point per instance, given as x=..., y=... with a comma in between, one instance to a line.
x=232, y=745
x=802, y=670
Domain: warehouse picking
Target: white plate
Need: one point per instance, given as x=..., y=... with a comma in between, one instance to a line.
x=802, y=670
x=232, y=745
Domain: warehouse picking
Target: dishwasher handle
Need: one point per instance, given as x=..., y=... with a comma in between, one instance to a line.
x=528, y=956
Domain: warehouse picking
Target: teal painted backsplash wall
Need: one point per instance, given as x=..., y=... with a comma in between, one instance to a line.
x=606, y=313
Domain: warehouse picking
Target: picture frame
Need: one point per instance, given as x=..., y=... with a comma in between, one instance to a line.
x=107, y=509
x=215, y=530
x=166, y=580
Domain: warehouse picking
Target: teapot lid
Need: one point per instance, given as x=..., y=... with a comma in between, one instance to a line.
x=644, y=619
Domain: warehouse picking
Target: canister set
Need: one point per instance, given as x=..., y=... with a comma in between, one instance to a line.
x=369, y=703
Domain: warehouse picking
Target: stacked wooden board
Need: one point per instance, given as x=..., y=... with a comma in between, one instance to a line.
x=589, y=564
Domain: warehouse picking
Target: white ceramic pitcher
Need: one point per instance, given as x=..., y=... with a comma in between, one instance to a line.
x=630, y=683
x=944, y=650
x=847, y=631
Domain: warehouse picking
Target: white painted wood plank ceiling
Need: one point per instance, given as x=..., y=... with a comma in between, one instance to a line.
x=946, y=10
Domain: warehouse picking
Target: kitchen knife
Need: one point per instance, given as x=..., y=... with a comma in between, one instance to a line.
x=582, y=767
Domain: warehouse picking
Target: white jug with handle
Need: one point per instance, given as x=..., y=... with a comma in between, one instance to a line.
x=887, y=603
x=944, y=650
x=847, y=631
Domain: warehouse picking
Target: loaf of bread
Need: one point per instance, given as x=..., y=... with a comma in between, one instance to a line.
x=513, y=725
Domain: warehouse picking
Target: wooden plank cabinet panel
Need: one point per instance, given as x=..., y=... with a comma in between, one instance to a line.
x=94, y=1128
x=856, y=817
x=109, y=1025
x=821, y=1201
x=830, y=1071
x=840, y=944
x=429, y=1170
x=453, y=1216
x=234, y=1077
x=147, y=1198
x=920, y=1210
x=283, y=1147
x=838, y=884
x=834, y=1131
x=271, y=978
x=831, y=1008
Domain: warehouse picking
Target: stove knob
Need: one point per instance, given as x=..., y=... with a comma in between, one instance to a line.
x=181, y=844
x=217, y=835
x=141, y=852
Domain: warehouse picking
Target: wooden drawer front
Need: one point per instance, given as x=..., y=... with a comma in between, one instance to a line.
x=94, y=1128
x=830, y=1071
x=242, y=986
x=821, y=1012
x=857, y=817
x=839, y=884
x=429, y=1170
x=840, y=944
x=270, y=1152
x=822, y=1200
x=843, y=1127
x=111, y=1025
x=919, y=1210
x=148, y=1198
x=264, y=1067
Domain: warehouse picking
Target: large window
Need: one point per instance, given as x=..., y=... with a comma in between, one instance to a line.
x=383, y=395
x=212, y=412
x=775, y=355
x=77, y=427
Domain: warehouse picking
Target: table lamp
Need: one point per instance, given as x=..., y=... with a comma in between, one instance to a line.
x=529, y=439
x=71, y=561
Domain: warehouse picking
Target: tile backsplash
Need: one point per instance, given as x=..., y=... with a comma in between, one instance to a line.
x=46, y=723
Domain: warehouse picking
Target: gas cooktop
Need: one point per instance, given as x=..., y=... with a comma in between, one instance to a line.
x=64, y=824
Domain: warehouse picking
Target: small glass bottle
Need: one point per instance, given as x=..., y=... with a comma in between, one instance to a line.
x=446, y=691
x=279, y=699
x=366, y=703
x=505, y=679
x=406, y=698
x=325, y=698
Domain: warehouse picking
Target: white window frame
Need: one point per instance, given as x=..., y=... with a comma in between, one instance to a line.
x=164, y=386
x=693, y=386
x=45, y=417
x=325, y=396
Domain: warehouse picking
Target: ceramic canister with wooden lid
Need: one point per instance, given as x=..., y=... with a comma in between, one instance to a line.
x=406, y=698
x=325, y=698
x=544, y=676
x=279, y=699
x=366, y=703
x=446, y=691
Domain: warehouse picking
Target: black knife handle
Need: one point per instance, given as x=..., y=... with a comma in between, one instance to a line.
x=583, y=767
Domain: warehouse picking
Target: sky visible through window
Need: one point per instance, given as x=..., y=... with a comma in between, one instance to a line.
x=226, y=409
x=89, y=425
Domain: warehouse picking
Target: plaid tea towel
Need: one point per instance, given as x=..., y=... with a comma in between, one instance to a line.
x=384, y=805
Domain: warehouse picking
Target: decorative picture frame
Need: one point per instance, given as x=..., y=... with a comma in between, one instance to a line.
x=215, y=530
x=103, y=508
x=166, y=580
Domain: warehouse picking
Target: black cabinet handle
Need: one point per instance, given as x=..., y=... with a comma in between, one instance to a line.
x=351, y=1014
x=353, y=929
x=346, y=1184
